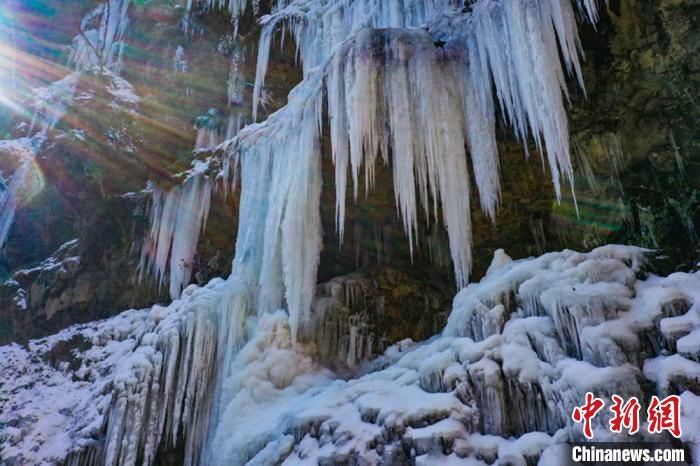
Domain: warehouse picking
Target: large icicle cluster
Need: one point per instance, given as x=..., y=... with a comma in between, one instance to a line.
x=143, y=383
x=279, y=237
x=178, y=217
x=101, y=40
x=403, y=75
x=417, y=98
x=235, y=8
x=521, y=349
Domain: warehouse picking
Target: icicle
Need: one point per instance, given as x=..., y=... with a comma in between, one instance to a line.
x=101, y=41
x=177, y=219
x=207, y=138
x=233, y=125
x=481, y=130
x=263, y=61
x=236, y=79
x=193, y=210
x=20, y=186
x=292, y=238
x=210, y=130
x=339, y=142
x=180, y=63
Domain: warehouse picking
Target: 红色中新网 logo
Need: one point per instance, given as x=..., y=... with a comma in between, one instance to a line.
x=661, y=415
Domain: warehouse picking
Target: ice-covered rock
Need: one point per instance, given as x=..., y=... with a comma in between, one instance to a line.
x=471, y=395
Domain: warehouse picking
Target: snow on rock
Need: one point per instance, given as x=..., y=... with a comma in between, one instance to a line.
x=690, y=413
x=20, y=176
x=99, y=44
x=121, y=90
x=494, y=386
x=51, y=103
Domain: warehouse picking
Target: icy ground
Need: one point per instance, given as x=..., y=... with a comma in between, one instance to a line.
x=519, y=351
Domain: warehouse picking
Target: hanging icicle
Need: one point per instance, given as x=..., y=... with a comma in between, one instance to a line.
x=236, y=79
x=177, y=220
x=417, y=98
x=19, y=186
x=100, y=42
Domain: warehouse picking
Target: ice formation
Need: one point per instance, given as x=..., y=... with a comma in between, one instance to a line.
x=146, y=353
x=210, y=130
x=178, y=217
x=414, y=83
x=100, y=42
x=180, y=63
x=235, y=8
x=236, y=79
x=51, y=103
x=499, y=383
x=103, y=29
x=416, y=97
x=19, y=185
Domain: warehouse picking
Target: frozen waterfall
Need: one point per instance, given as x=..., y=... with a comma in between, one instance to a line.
x=499, y=383
x=100, y=42
x=20, y=185
x=412, y=83
x=232, y=372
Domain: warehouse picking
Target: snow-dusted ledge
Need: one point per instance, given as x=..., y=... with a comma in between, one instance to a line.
x=518, y=353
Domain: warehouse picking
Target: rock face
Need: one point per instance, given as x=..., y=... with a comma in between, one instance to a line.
x=638, y=128
x=85, y=279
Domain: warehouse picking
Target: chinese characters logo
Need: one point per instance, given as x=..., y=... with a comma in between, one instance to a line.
x=662, y=415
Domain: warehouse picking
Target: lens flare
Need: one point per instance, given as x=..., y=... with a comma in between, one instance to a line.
x=8, y=63
x=24, y=183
